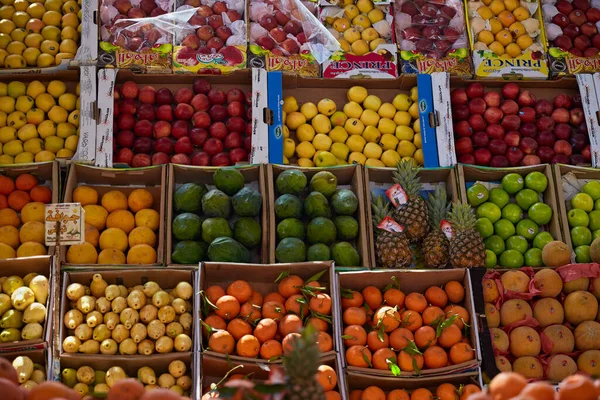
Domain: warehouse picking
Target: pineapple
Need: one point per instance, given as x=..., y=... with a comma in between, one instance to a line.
x=435, y=245
x=300, y=367
x=392, y=249
x=413, y=214
x=466, y=245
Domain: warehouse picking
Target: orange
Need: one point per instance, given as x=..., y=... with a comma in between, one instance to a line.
x=405, y=361
x=506, y=18
x=315, y=285
x=399, y=338
x=238, y=328
x=372, y=393
x=270, y=349
x=433, y=314
x=354, y=316
x=274, y=296
x=34, y=211
x=273, y=309
x=394, y=298
x=221, y=342
x=290, y=285
x=256, y=299
x=85, y=195
x=381, y=357
x=461, y=352
x=436, y=296
x=96, y=216
x=326, y=377
x=463, y=315
x=26, y=182
x=139, y=199
x=355, y=335
x=576, y=387
x=398, y=394
x=6, y=185
x=250, y=312
x=324, y=342
x=446, y=391
x=355, y=301
x=42, y=194
x=288, y=342
x=8, y=216
x=470, y=389
x=121, y=219
x=435, y=357
x=411, y=320
x=318, y=323
x=375, y=343
x=372, y=296
x=9, y=235
x=450, y=336
x=421, y=394
x=3, y=201
x=296, y=304
x=416, y=302
x=82, y=254
x=148, y=218
x=290, y=323
x=214, y=321
x=114, y=200
x=227, y=307
x=359, y=356
x=536, y=390
x=321, y=303
x=455, y=291
x=332, y=395
x=507, y=385
x=425, y=337
x=213, y=293
x=388, y=316
x=266, y=329
x=248, y=346
x=356, y=394
x=241, y=290
x=18, y=199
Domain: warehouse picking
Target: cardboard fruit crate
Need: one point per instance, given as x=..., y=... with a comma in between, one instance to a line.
x=409, y=281
x=128, y=277
x=378, y=180
x=103, y=180
x=47, y=175
x=263, y=279
x=349, y=177
x=254, y=177
x=214, y=370
x=41, y=265
x=568, y=180
x=158, y=362
x=42, y=357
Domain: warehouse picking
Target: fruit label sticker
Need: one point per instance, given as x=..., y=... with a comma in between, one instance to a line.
x=65, y=224
x=389, y=225
x=397, y=195
x=446, y=227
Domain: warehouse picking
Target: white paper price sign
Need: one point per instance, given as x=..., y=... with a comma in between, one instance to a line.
x=65, y=224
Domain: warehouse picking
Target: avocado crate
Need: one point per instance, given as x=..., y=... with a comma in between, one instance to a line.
x=41, y=357
x=216, y=369
x=47, y=174
x=254, y=177
x=407, y=281
x=491, y=178
x=158, y=362
x=264, y=279
x=129, y=278
x=103, y=180
x=41, y=265
x=569, y=181
x=378, y=180
x=348, y=177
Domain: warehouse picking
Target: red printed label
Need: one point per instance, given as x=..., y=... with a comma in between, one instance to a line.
x=389, y=225
x=446, y=227
x=397, y=195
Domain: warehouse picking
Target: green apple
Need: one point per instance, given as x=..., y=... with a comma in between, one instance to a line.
x=597, y=205
x=533, y=257
x=518, y=243
x=580, y=235
x=499, y=197
x=582, y=254
x=536, y=181
x=582, y=201
x=542, y=239
x=592, y=188
x=526, y=198
x=504, y=228
x=512, y=212
x=594, y=220
x=490, y=259
x=540, y=213
x=477, y=194
x=495, y=243
x=490, y=211
x=578, y=217
x=512, y=183
x=511, y=259
x=484, y=227
x=527, y=228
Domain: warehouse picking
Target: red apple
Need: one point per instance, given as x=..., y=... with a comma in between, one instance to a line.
x=528, y=130
x=512, y=139
x=164, y=96
x=564, y=42
x=163, y=145
x=495, y=131
x=527, y=114
x=572, y=31
x=220, y=160
x=127, y=106
x=215, y=44
x=593, y=15
x=576, y=116
x=184, y=95
x=578, y=141
x=180, y=129
x=526, y=99
x=560, y=159
x=184, y=111
x=510, y=91
x=511, y=122
x=223, y=33
x=201, y=119
x=544, y=123
x=543, y=107
x=477, y=122
x=563, y=131
x=564, y=7
x=577, y=17
x=281, y=18
x=528, y=145
x=265, y=42
x=238, y=155
x=124, y=156
x=235, y=94
x=235, y=109
x=464, y=146
x=184, y=145
x=561, y=116
x=474, y=90
x=233, y=141
x=492, y=99
x=200, y=102
x=198, y=136
x=143, y=128
x=201, y=159
x=217, y=113
x=463, y=129
x=587, y=152
x=509, y=107
x=160, y=159
x=248, y=143
x=458, y=96
x=162, y=129
x=482, y=156
x=530, y=159
x=497, y=146
x=563, y=147
x=561, y=20
x=499, y=162
x=146, y=111
x=201, y=86
x=125, y=138
x=125, y=122
x=216, y=96
x=213, y=146
x=236, y=124
x=129, y=90
x=147, y=95
x=480, y=139
x=164, y=113
x=218, y=130
x=143, y=145
x=514, y=155
x=290, y=45
x=546, y=138
x=578, y=159
x=141, y=161
x=545, y=153
x=182, y=159
x=582, y=42
x=591, y=52
x=492, y=115
x=215, y=21
x=589, y=29
x=460, y=112
x=466, y=159
x=477, y=106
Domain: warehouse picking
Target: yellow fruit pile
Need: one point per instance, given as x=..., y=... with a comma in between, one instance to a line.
x=366, y=131
x=38, y=34
x=362, y=27
x=115, y=225
x=38, y=122
x=504, y=27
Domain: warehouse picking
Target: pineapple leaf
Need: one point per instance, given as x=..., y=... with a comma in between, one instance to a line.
x=281, y=276
x=406, y=174
x=316, y=276
x=444, y=325
x=347, y=293
x=393, y=367
x=438, y=206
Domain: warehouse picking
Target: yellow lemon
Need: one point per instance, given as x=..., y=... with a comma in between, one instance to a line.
x=402, y=118
x=414, y=111
x=13, y=148
x=142, y=235
x=286, y=131
x=341, y=162
x=504, y=37
x=521, y=13
x=64, y=153
x=524, y=41
x=321, y=123
x=511, y=5
x=419, y=157
x=340, y=150
x=122, y=219
x=305, y=150
x=141, y=254
x=294, y=119
x=44, y=156
x=322, y=142
x=404, y=133
x=111, y=257
x=386, y=125
x=24, y=158
x=406, y=148
x=114, y=200
x=326, y=107
x=71, y=143
x=95, y=216
x=148, y=218
x=34, y=211
x=486, y=37
x=53, y=144
x=32, y=231
x=352, y=109
x=9, y=235
x=113, y=238
x=390, y=158
x=92, y=235
x=31, y=249
x=356, y=143
x=497, y=48
x=485, y=12
x=374, y=163
x=402, y=102
x=417, y=126
x=357, y=94
x=305, y=163
x=417, y=140
x=305, y=132
x=372, y=150
x=372, y=102
x=338, y=134
x=5, y=159
x=85, y=195
x=309, y=110
x=82, y=254
x=497, y=6
x=513, y=50
x=369, y=117
x=357, y=158
x=290, y=104
x=289, y=147
x=6, y=251
x=517, y=29
x=371, y=134
x=495, y=25
x=354, y=126
x=338, y=118
x=388, y=142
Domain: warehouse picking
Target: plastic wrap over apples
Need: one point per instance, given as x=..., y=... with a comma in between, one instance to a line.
x=433, y=28
x=288, y=27
x=573, y=26
x=114, y=10
x=138, y=34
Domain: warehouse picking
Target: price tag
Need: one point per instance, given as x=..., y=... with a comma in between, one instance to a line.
x=446, y=227
x=397, y=195
x=65, y=224
x=388, y=224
